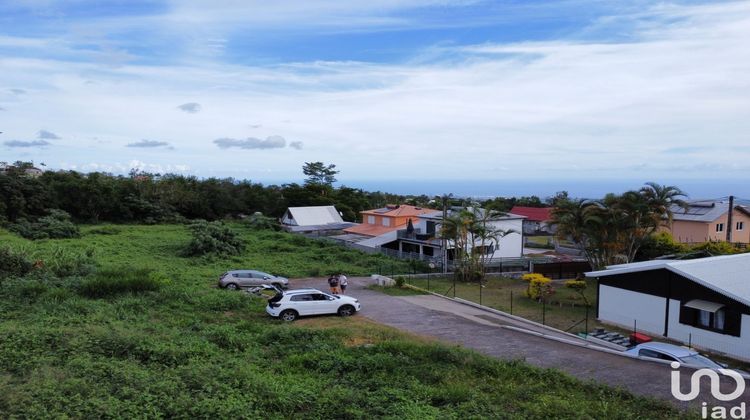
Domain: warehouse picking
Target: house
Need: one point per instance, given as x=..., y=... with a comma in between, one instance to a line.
x=705, y=221
x=313, y=219
x=31, y=171
x=387, y=219
x=424, y=237
x=536, y=221
x=702, y=302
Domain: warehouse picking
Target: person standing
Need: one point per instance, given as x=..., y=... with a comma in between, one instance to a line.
x=343, y=282
x=333, y=282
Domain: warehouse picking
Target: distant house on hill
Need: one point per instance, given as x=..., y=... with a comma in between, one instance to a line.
x=31, y=171
x=313, y=219
x=387, y=219
x=424, y=236
x=705, y=221
x=704, y=302
x=536, y=221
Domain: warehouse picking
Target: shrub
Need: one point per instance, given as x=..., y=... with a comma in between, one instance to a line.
x=400, y=281
x=65, y=262
x=260, y=222
x=114, y=282
x=13, y=263
x=539, y=287
x=56, y=225
x=213, y=238
x=579, y=286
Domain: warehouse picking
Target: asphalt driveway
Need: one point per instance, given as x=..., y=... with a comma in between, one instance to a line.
x=496, y=336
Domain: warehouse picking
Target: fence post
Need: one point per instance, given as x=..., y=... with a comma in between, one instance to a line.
x=428, y=282
x=480, y=292
x=454, y=285
x=586, y=324
x=544, y=311
x=690, y=340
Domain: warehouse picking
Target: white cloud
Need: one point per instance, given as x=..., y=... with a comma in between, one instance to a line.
x=680, y=79
x=272, y=142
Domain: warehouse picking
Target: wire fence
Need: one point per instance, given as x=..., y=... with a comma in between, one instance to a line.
x=564, y=309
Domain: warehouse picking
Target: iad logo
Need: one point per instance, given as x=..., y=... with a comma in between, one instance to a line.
x=738, y=412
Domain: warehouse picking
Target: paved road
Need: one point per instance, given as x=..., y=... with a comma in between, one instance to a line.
x=490, y=334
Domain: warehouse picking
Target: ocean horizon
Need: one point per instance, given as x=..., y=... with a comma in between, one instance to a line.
x=695, y=189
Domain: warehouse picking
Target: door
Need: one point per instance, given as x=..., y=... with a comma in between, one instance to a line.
x=303, y=304
x=324, y=304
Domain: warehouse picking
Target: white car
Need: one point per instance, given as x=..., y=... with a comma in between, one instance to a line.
x=291, y=304
x=672, y=353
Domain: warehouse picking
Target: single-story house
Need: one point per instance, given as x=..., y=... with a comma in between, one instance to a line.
x=704, y=221
x=313, y=219
x=702, y=302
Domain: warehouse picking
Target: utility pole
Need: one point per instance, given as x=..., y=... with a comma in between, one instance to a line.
x=729, y=219
x=442, y=228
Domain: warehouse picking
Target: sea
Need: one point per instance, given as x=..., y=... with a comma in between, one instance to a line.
x=482, y=189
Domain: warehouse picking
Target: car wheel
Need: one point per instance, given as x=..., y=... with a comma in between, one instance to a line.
x=288, y=315
x=232, y=286
x=346, y=310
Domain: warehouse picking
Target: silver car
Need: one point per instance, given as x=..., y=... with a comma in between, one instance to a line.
x=237, y=279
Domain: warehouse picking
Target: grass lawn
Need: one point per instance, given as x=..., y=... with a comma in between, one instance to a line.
x=564, y=310
x=179, y=347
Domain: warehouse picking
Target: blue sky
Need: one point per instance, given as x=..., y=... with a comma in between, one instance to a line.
x=385, y=89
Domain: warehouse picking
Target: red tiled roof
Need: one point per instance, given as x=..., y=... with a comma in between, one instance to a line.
x=534, y=214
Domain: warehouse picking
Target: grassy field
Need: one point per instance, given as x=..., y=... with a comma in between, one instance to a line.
x=564, y=310
x=179, y=347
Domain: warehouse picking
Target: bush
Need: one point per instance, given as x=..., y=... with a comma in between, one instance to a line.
x=64, y=262
x=114, y=282
x=56, y=225
x=213, y=238
x=400, y=281
x=13, y=263
x=539, y=286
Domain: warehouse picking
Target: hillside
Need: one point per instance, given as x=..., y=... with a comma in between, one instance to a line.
x=143, y=332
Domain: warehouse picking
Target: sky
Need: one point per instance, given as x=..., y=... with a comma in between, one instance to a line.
x=403, y=91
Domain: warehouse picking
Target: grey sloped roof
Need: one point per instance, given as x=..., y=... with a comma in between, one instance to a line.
x=725, y=274
x=704, y=211
x=315, y=215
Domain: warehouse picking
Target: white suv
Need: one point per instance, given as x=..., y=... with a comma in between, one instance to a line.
x=291, y=304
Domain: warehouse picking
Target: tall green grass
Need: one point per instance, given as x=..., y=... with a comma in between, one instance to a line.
x=149, y=335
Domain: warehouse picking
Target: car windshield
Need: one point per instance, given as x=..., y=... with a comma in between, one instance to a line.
x=698, y=360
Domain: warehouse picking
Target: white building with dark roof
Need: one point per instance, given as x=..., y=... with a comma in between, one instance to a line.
x=313, y=219
x=702, y=302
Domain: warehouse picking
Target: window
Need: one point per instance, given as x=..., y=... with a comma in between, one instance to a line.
x=386, y=221
x=739, y=226
x=711, y=316
x=370, y=220
x=301, y=298
x=656, y=355
x=720, y=227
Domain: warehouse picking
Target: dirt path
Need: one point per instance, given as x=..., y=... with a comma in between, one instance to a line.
x=457, y=323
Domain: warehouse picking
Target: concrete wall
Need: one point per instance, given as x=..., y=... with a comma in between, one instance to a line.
x=511, y=245
x=622, y=307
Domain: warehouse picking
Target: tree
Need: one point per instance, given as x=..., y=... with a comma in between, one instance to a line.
x=474, y=235
x=612, y=230
x=319, y=174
